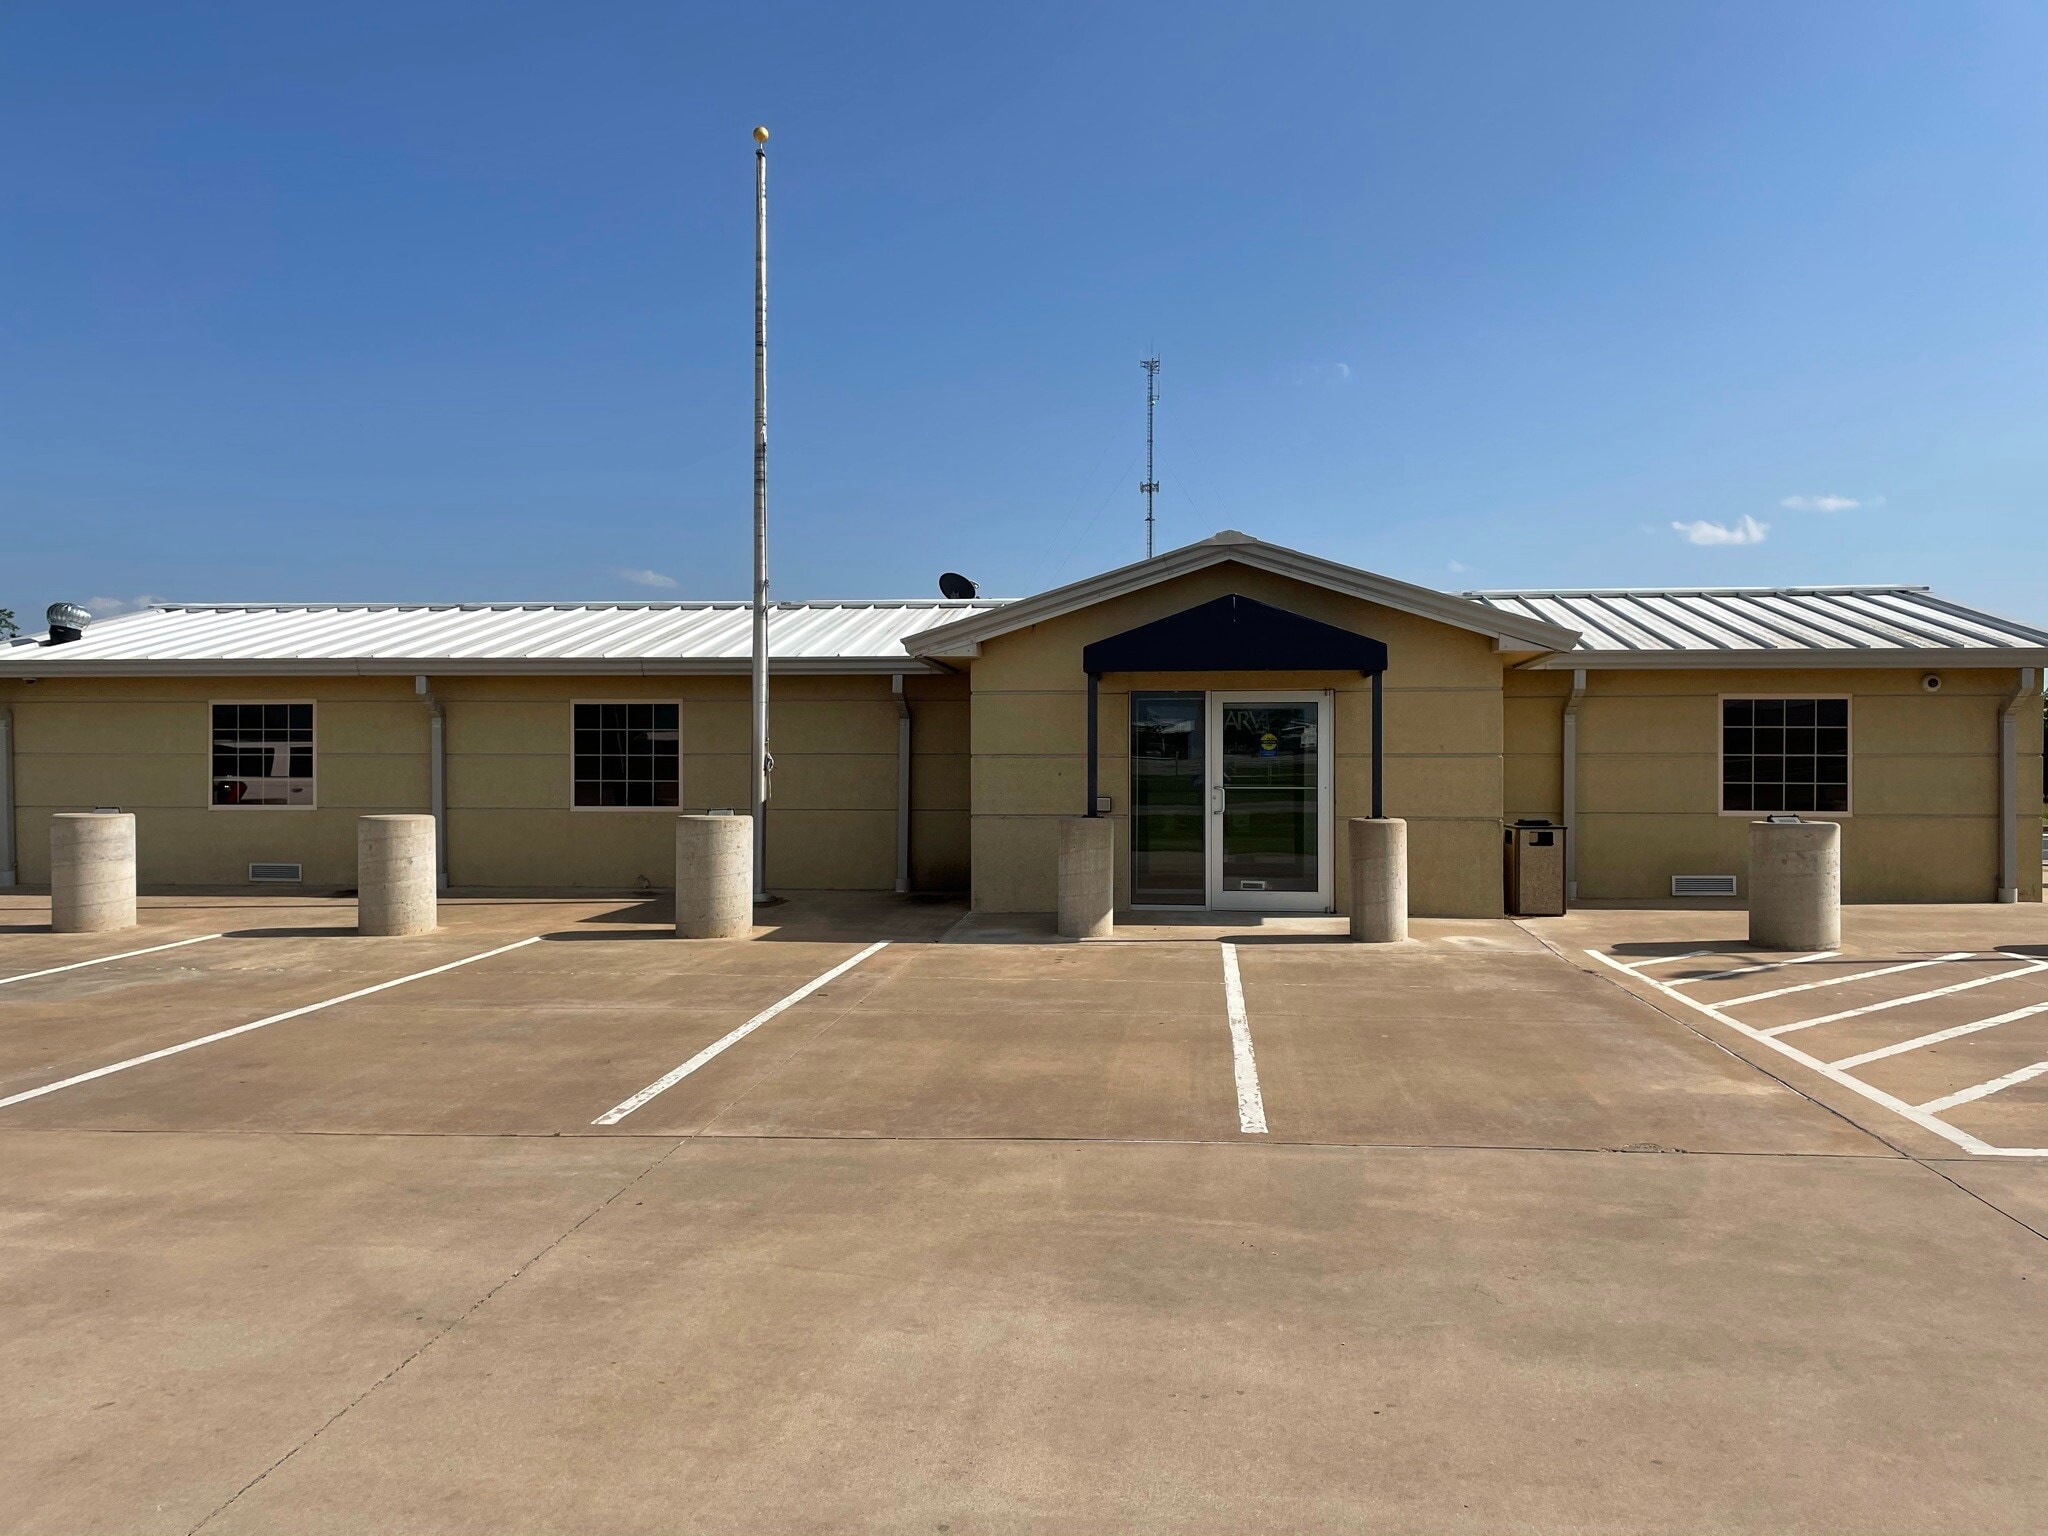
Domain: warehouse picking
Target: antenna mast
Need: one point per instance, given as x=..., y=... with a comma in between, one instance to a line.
x=1151, y=485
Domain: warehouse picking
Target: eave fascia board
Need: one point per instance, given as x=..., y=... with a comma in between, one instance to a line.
x=1425, y=602
x=1811, y=661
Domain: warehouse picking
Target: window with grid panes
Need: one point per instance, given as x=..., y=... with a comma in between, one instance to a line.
x=627, y=755
x=262, y=754
x=1785, y=755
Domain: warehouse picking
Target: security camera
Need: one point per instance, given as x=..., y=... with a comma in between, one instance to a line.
x=1931, y=682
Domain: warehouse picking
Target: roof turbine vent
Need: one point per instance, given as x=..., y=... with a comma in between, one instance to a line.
x=67, y=622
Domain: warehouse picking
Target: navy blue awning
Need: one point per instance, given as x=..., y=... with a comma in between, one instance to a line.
x=1235, y=634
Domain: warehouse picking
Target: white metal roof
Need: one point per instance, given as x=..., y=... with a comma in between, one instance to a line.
x=1632, y=627
x=1694, y=626
x=491, y=637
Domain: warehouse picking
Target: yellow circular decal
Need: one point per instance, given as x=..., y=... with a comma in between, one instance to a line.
x=1269, y=742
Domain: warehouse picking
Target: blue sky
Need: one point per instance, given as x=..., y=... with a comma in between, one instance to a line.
x=443, y=300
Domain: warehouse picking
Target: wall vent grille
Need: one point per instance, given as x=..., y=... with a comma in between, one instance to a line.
x=1703, y=885
x=289, y=874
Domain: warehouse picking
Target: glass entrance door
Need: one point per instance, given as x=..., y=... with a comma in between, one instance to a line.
x=1269, y=801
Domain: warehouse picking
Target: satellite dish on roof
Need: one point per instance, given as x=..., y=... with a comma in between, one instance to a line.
x=956, y=586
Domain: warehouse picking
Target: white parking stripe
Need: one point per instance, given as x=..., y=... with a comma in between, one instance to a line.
x=1251, y=1104
x=1940, y=1035
x=725, y=1042
x=1690, y=954
x=1836, y=981
x=1835, y=1074
x=79, y=965
x=1914, y=997
x=1996, y=1085
x=243, y=1029
x=1751, y=970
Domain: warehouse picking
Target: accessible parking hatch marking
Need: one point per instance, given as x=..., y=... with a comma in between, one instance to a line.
x=1900, y=1002
x=1984, y=1090
x=1751, y=970
x=1940, y=1035
x=1922, y=1115
x=1837, y=981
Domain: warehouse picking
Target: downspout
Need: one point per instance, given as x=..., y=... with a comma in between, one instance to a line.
x=2009, y=788
x=6, y=796
x=1568, y=784
x=437, y=776
x=902, y=783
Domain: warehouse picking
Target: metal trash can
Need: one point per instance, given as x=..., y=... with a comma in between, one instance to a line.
x=1534, y=885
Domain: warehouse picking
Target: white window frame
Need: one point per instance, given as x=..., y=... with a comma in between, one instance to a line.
x=629, y=810
x=1720, y=756
x=312, y=804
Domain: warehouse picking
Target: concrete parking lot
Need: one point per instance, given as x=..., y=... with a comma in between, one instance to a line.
x=896, y=1219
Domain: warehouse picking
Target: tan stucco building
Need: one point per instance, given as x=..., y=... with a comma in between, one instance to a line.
x=933, y=746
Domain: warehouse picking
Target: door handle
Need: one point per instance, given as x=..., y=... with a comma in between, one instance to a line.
x=1216, y=800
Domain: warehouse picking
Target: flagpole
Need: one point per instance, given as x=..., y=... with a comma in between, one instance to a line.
x=761, y=759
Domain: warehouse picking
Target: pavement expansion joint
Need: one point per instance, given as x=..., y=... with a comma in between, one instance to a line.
x=846, y=1139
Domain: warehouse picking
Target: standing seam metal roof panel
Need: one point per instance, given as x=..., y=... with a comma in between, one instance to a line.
x=500, y=632
x=1701, y=621
x=1828, y=620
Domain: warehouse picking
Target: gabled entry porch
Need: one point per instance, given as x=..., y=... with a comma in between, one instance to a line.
x=1231, y=790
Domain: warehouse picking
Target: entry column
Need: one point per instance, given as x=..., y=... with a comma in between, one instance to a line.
x=1379, y=879
x=1087, y=877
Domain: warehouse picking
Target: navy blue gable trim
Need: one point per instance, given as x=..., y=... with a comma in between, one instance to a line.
x=1235, y=634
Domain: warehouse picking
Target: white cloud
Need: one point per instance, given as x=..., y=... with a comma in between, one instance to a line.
x=1821, y=503
x=114, y=607
x=1323, y=373
x=644, y=578
x=1459, y=567
x=1747, y=531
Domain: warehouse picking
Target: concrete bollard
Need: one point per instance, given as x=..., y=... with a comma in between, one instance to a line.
x=714, y=877
x=1087, y=877
x=1795, y=884
x=1379, y=879
x=395, y=875
x=92, y=871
